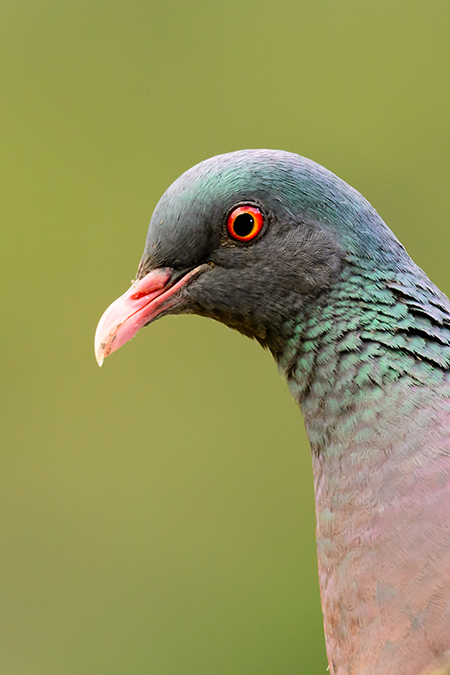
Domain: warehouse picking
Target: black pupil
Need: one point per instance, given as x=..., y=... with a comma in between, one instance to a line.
x=243, y=224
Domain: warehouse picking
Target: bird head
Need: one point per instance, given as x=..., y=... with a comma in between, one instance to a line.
x=249, y=238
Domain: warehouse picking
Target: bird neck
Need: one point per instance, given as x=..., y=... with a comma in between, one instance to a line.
x=369, y=368
x=349, y=348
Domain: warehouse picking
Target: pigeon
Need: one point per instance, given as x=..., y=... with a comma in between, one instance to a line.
x=281, y=249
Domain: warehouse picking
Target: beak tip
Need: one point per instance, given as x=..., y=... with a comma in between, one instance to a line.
x=99, y=357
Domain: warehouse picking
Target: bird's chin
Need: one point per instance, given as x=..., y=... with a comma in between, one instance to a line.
x=148, y=298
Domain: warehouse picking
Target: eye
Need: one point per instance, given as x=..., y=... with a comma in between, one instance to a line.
x=245, y=222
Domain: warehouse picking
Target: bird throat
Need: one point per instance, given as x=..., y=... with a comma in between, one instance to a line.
x=369, y=368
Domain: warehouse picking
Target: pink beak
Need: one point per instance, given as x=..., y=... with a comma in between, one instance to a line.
x=146, y=298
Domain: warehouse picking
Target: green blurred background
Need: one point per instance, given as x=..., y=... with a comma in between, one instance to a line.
x=157, y=515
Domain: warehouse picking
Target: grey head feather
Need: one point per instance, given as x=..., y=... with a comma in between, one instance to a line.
x=313, y=222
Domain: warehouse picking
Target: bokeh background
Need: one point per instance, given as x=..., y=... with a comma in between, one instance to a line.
x=157, y=516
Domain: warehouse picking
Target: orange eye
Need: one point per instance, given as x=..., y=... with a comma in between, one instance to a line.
x=245, y=222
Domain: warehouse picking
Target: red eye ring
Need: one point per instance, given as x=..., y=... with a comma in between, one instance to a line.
x=245, y=222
